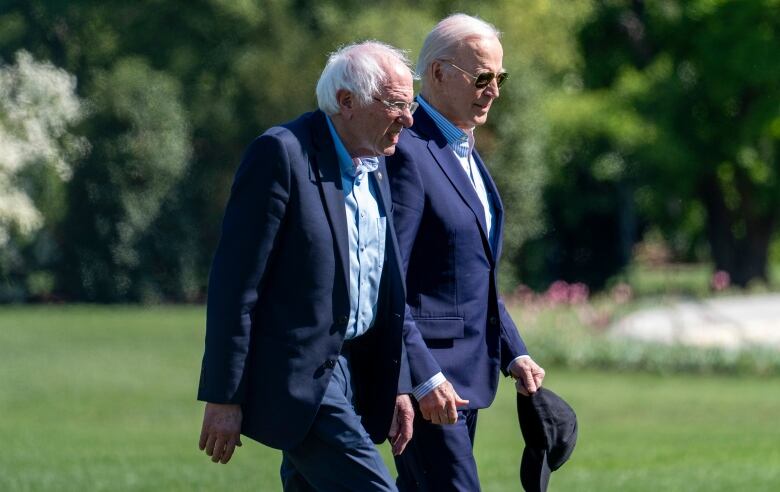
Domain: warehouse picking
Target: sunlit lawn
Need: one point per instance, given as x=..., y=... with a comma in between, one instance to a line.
x=103, y=399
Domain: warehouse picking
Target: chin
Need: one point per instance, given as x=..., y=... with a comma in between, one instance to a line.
x=479, y=120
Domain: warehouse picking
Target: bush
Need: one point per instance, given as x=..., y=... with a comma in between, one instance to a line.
x=140, y=151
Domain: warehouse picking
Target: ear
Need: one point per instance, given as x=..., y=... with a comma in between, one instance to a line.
x=346, y=102
x=436, y=71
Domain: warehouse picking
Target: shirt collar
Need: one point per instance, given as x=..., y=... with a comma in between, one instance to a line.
x=352, y=168
x=461, y=142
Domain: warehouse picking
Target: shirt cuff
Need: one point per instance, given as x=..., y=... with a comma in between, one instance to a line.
x=513, y=361
x=423, y=389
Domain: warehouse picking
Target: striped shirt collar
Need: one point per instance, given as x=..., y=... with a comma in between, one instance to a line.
x=461, y=142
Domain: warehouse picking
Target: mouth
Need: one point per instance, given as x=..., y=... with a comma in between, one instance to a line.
x=393, y=135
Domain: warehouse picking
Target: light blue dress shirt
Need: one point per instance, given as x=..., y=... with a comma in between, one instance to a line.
x=367, y=229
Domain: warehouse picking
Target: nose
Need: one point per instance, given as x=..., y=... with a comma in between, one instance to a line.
x=406, y=118
x=492, y=90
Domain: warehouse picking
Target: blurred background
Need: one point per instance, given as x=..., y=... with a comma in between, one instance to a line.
x=636, y=146
x=630, y=134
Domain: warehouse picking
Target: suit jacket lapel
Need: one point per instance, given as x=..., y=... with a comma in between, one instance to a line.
x=450, y=165
x=328, y=174
x=495, y=199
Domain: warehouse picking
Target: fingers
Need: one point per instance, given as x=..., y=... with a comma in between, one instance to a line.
x=210, y=444
x=530, y=384
x=223, y=449
x=401, y=428
x=221, y=430
x=393, y=432
x=204, y=435
x=520, y=387
x=402, y=438
x=218, y=450
x=459, y=402
x=539, y=377
x=452, y=412
x=438, y=418
x=228, y=451
x=529, y=376
x=440, y=406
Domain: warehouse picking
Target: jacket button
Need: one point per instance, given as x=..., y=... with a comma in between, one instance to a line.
x=343, y=320
x=330, y=363
x=493, y=320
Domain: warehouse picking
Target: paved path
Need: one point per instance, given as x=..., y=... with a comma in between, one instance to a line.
x=729, y=322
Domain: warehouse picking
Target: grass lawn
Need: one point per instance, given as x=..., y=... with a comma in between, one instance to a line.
x=102, y=398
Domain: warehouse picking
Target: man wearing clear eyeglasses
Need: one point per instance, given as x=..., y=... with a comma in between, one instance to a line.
x=448, y=219
x=305, y=309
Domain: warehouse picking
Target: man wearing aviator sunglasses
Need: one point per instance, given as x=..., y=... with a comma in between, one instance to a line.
x=448, y=220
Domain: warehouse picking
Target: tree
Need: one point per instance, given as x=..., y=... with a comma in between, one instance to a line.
x=683, y=98
x=118, y=191
x=38, y=107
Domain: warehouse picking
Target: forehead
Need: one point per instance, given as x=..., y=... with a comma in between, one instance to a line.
x=484, y=52
x=399, y=80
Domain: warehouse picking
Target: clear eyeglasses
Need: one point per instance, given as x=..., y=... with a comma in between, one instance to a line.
x=398, y=106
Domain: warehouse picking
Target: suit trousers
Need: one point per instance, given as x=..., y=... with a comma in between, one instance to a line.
x=337, y=454
x=440, y=458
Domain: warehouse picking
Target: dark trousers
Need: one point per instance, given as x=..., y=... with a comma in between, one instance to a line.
x=440, y=458
x=337, y=454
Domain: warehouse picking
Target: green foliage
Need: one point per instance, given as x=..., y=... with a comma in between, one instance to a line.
x=38, y=110
x=117, y=192
x=619, y=118
x=699, y=80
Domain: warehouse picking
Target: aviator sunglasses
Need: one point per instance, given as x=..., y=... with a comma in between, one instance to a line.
x=483, y=79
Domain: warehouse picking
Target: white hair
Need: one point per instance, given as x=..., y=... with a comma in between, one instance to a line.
x=359, y=68
x=448, y=35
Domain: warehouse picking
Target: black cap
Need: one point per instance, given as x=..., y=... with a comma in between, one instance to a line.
x=549, y=427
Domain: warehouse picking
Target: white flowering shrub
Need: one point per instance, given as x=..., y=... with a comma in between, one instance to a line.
x=38, y=105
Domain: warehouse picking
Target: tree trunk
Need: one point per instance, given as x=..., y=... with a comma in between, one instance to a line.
x=739, y=240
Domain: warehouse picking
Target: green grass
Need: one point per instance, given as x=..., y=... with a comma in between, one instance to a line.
x=103, y=399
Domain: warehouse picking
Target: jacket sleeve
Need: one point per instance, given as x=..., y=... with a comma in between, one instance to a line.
x=512, y=345
x=253, y=215
x=408, y=203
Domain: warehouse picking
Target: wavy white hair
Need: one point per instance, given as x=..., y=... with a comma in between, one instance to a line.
x=448, y=34
x=359, y=68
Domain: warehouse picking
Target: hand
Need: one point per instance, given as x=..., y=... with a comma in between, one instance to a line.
x=221, y=431
x=529, y=375
x=401, y=429
x=440, y=404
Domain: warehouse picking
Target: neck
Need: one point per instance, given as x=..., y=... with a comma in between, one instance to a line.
x=436, y=100
x=348, y=137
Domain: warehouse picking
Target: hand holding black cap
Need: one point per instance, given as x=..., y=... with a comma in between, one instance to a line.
x=549, y=427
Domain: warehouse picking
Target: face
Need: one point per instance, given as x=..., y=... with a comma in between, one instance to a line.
x=453, y=92
x=375, y=128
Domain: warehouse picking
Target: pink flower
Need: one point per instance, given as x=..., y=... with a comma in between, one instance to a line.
x=720, y=280
x=578, y=293
x=558, y=292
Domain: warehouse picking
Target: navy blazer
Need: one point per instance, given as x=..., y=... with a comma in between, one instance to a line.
x=451, y=281
x=278, y=300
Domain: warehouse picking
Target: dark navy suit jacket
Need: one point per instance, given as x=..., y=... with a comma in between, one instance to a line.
x=451, y=267
x=278, y=300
